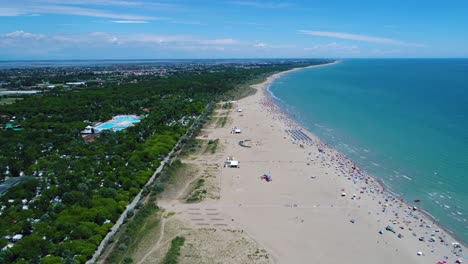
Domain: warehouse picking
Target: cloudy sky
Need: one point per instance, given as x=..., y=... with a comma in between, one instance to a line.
x=143, y=29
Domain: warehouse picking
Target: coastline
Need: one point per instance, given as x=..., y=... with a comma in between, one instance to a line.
x=316, y=206
x=384, y=188
x=379, y=182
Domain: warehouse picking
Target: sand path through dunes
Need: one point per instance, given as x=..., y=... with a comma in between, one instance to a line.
x=158, y=243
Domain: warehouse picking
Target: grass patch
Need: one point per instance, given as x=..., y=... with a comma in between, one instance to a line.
x=198, y=193
x=222, y=121
x=168, y=175
x=9, y=100
x=135, y=228
x=211, y=121
x=169, y=214
x=212, y=146
x=192, y=146
x=227, y=106
x=172, y=256
x=144, y=219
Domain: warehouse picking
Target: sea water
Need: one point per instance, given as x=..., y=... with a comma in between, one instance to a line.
x=403, y=121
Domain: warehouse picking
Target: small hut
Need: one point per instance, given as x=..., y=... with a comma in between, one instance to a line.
x=232, y=164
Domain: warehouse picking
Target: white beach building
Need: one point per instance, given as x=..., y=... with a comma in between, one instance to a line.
x=232, y=164
x=75, y=83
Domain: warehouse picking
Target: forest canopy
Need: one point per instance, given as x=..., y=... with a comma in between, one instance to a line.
x=72, y=191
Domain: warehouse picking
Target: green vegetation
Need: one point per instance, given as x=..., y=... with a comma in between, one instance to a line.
x=9, y=100
x=192, y=145
x=173, y=254
x=77, y=190
x=212, y=145
x=167, y=176
x=198, y=194
x=133, y=230
x=227, y=106
x=169, y=214
x=144, y=218
x=223, y=121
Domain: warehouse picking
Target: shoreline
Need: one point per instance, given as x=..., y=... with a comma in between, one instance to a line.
x=265, y=86
x=380, y=182
x=291, y=197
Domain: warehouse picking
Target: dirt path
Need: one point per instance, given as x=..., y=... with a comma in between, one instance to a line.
x=164, y=219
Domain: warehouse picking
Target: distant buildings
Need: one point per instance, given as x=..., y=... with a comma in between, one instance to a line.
x=75, y=83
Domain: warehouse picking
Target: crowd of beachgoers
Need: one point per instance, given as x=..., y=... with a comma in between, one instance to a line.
x=396, y=217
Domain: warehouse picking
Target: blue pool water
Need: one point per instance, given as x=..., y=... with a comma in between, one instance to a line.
x=105, y=126
x=118, y=123
x=403, y=121
x=128, y=118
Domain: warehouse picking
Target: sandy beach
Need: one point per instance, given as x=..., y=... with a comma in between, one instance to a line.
x=318, y=206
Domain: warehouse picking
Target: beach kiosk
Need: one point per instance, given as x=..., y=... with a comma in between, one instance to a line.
x=232, y=164
x=236, y=130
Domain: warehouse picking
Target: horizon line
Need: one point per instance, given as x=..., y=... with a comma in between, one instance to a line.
x=247, y=58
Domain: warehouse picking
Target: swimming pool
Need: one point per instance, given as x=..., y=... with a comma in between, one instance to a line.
x=118, y=123
x=129, y=118
x=105, y=126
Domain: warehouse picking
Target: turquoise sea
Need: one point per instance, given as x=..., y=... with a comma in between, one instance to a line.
x=405, y=121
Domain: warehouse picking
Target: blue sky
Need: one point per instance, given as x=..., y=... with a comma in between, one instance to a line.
x=143, y=29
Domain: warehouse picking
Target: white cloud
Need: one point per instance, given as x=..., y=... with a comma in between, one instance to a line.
x=266, y=5
x=91, y=2
x=13, y=8
x=129, y=21
x=123, y=3
x=183, y=22
x=21, y=38
x=260, y=45
x=20, y=34
x=263, y=45
x=20, y=43
x=226, y=41
x=79, y=11
x=364, y=38
x=7, y=12
x=333, y=46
